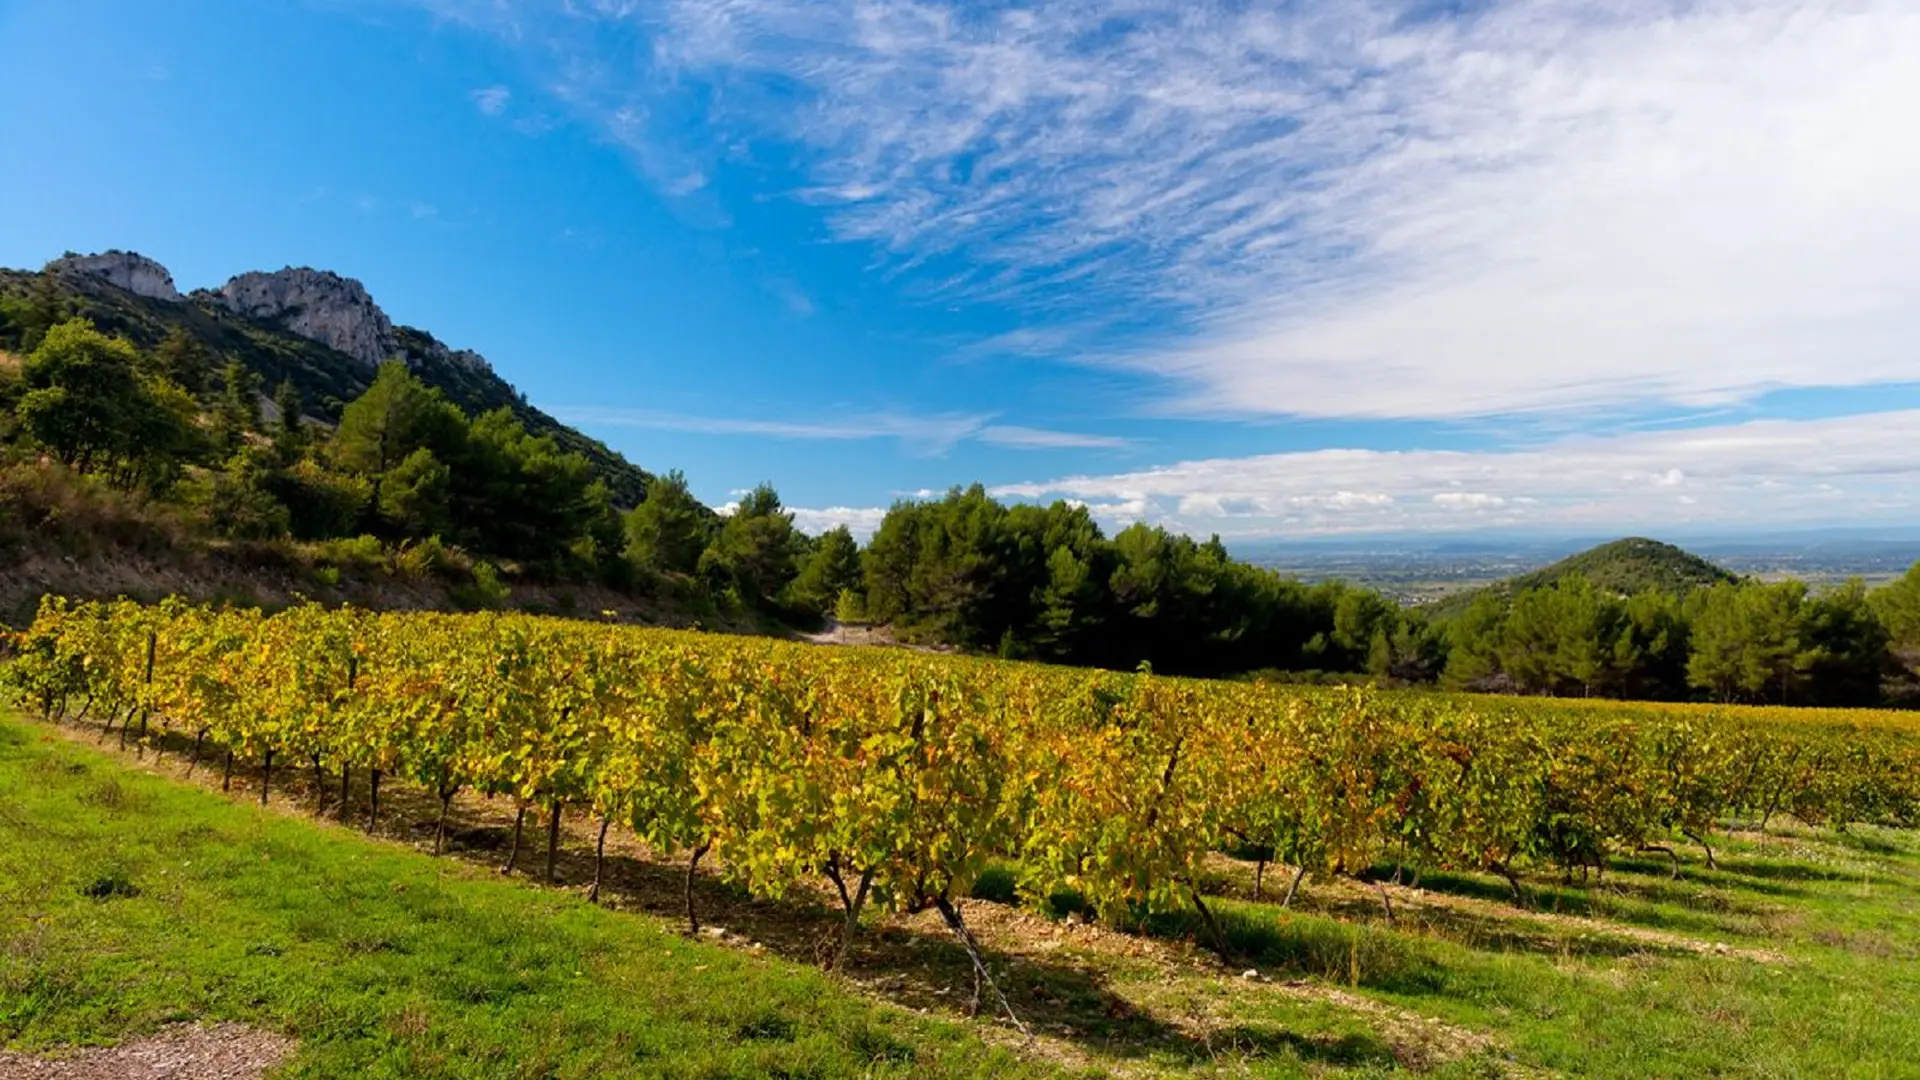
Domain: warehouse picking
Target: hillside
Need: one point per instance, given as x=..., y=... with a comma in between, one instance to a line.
x=316, y=329
x=1624, y=567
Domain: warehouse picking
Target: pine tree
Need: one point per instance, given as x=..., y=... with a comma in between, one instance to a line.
x=290, y=432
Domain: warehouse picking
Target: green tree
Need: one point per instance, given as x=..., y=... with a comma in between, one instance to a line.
x=1562, y=639
x=1473, y=645
x=756, y=551
x=1071, y=607
x=395, y=416
x=322, y=503
x=387, y=426
x=670, y=528
x=166, y=435
x=413, y=496
x=237, y=412
x=1362, y=631
x=1849, y=643
x=1407, y=650
x=1897, y=605
x=1748, y=641
x=82, y=398
x=46, y=307
x=240, y=501
x=831, y=568
x=181, y=358
x=290, y=431
x=520, y=495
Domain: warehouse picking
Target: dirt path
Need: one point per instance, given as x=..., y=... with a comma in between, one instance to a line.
x=839, y=633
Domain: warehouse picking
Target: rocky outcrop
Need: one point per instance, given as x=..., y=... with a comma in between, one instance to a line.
x=319, y=331
x=130, y=271
x=318, y=305
x=466, y=358
x=322, y=306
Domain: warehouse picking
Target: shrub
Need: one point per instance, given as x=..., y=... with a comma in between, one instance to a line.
x=850, y=606
x=485, y=593
x=424, y=558
x=361, y=552
x=239, y=505
x=45, y=501
x=320, y=503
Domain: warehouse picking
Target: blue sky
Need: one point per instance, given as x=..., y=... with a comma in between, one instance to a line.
x=1261, y=269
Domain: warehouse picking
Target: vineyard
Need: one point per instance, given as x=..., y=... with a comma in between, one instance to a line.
x=899, y=777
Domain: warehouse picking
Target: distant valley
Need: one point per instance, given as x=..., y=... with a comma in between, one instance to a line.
x=1423, y=571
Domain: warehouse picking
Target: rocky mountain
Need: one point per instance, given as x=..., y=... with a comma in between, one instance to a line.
x=318, y=305
x=137, y=274
x=315, y=328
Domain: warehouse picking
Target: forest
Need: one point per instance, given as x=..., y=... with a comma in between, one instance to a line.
x=187, y=432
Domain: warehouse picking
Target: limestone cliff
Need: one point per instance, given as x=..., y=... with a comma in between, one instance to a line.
x=135, y=273
x=318, y=305
x=336, y=311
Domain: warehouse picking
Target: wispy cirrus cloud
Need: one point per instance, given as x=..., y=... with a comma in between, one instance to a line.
x=491, y=100
x=927, y=434
x=1359, y=208
x=1027, y=438
x=1764, y=472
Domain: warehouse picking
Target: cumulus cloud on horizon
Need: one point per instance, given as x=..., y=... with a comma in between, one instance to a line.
x=1770, y=473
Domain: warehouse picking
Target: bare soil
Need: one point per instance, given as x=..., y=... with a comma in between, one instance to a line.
x=839, y=633
x=180, y=1052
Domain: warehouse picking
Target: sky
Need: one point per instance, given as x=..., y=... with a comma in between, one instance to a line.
x=1256, y=269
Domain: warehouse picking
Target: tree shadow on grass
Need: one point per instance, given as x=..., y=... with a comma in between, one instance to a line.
x=1349, y=943
x=911, y=967
x=1754, y=871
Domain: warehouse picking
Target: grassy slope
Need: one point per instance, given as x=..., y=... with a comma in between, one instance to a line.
x=383, y=963
x=390, y=964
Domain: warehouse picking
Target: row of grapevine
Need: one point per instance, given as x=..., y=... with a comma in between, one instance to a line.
x=898, y=776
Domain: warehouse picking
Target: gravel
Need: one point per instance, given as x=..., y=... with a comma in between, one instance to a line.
x=180, y=1052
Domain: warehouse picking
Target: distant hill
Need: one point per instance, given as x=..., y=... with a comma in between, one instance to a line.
x=1627, y=566
x=319, y=330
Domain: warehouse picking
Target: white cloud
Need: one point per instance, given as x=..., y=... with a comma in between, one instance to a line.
x=1350, y=209
x=1026, y=438
x=924, y=434
x=797, y=301
x=491, y=100
x=860, y=521
x=1765, y=472
x=930, y=434
x=1468, y=500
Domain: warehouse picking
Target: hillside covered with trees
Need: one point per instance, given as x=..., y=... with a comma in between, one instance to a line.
x=160, y=416
x=1626, y=566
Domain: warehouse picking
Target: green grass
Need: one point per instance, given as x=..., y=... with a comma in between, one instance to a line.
x=129, y=900
x=1840, y=999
